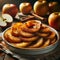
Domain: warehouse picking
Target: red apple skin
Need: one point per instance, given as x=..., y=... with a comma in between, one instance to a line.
x=25, y=7
x=41, y=8
x=53, y=7
x=54, y=20
x=10, y=9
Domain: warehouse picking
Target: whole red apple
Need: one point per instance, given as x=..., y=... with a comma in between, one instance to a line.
x=10, y=9
x=54, y=20
x=25, y=7
x=53, y=7
x=41, y=8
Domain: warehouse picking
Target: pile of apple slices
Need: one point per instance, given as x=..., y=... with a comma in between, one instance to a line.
x=5, y=20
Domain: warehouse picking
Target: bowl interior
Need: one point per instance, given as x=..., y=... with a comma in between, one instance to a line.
x=52, y=29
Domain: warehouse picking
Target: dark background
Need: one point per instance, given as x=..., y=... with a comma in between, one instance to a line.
x=17, y=2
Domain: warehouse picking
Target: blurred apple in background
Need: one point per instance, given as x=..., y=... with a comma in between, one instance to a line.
x=41, y=0
x=54, y=20
x=53, y=7
x=10, y=9
x=41, y=8
x=25, y=7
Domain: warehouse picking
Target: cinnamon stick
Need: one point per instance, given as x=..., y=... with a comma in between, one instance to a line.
x=39, y=17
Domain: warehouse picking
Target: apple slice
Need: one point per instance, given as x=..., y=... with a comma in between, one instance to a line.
x=1, y=19
x=8, y=18
x=3, y=24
